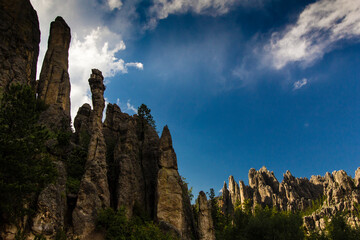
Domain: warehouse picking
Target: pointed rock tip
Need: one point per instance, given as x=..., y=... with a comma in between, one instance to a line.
x=263, y=169
x=62, y=21
x=165, y=139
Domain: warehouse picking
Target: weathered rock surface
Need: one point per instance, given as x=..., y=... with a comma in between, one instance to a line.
x=172, y=199
x=82, y=125
x=94, y=190
x=54, y=83
x=205, y=222
x=341, y=192
x=133, y=161
x=357, y=177
x=19, y=42
x=51, y=206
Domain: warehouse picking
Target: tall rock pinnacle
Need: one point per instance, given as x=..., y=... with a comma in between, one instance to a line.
x=19, y=42
x=205, y=221
x=94, y=190
x=173, y=203
x=54, y=83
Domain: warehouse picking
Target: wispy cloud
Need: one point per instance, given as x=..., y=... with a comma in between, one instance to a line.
x=114, y=4
x=317, y=31
x=161, y=9
x=137, y=65
x=299, y=84
x=126, y=107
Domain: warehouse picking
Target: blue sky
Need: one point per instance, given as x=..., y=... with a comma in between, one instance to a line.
x=241, y=84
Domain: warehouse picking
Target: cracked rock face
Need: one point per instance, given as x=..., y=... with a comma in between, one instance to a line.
x=205, y=222
x=94, y=190
x=19, y=42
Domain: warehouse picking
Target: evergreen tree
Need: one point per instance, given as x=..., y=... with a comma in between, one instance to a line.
x=145, y=114
x=25, y=166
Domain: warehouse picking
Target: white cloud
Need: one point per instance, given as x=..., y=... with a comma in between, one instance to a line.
x=299, y=84
x=161, y=9
x=113, y=4
x=131, y=107
x=137, y=65
x=317, y=31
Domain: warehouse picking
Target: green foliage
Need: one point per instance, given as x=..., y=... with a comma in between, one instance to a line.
x=118, y=227
x=60, y=235
x=337, y=229
x=189, y=190
x=264, y=224
x=315, y=205
x=25, y=165
x=75, y=168
x=145, y=114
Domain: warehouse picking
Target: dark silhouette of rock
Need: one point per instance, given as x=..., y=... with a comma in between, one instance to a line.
x=19, y=42
x=94, y=190
x=82, y=124
x=205, y=222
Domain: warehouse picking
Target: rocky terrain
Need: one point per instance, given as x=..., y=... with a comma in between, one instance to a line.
x=333, y=193
x=127, y=164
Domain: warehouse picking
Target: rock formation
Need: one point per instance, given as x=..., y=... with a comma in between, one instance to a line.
x=50, y=216
x=94, y=190
x=205, y=222
x=298, y=194
x=54, y=83
x=171, y=192
x=19, y=42
x=133, y=159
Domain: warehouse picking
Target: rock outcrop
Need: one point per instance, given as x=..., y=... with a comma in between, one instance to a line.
x=19, y=42
x=94, y=190
x=341, y=192
x=133, y=161
x=172, y=199
x=205, y=222
x=54, y=84
x=52, y=206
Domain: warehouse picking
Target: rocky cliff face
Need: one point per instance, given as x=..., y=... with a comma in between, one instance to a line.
x=94, y=190
x=133, y=158
x=205, y=222
x=298, y=194
x=19, y=42
x=172, y=200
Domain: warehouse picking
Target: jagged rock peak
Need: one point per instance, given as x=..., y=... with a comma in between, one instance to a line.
x=54, y=84
x=168, y=156
x=205, y=222
x=357, y=177
x=19, y=42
